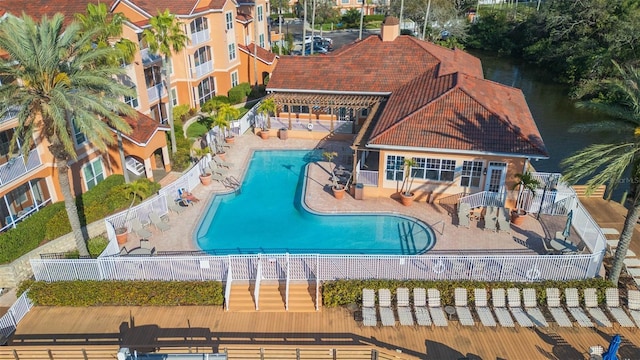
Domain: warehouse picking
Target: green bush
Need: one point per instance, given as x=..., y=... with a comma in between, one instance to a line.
x=124, y=293
x=95, y=245
x=368, y=18
x=195, y=130
x=238, y=93
x=181, y=160
x=180, y=113
x=343, y=292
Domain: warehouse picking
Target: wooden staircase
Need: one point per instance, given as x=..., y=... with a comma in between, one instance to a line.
x=272, y=297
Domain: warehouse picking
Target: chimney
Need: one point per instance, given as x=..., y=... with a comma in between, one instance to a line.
x=390, y=29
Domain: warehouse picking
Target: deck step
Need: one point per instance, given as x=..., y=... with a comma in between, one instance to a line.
x=581, y=191
x=272, y=297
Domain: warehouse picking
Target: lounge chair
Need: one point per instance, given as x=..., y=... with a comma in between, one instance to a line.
x=404, y=311
x=483, y=311
x=573, y=305
x=463, y=214
x=530, y=302
x=556, y=310
x=137, y=227
x=437, y=314
x=182, y=199
x=221, y=162
x=215, y=168
x=504, y=220
x=158, y=223
x=462, y=307
x=387, y=318
x=173, y=206
x=591, y=304
x=420, y=309
x=515, y=306
x=498, y=299
x=369, y=317
x=491, y=218
x=633, y=303
x=613, y=305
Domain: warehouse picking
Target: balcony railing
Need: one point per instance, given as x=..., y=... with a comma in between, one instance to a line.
x=17, y=167
x=200, y=37
x=149, y=58
x=202, y=69
x=156, y=92
x=10, y=114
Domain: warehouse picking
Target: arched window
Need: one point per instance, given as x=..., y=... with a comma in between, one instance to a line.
x=206, y=90
x=199, y=24
x=202, y=55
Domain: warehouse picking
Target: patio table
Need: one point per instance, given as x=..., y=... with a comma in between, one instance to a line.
x=139, y=251
x=562, y=245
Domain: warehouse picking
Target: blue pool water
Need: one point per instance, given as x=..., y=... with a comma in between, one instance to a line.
x=266, y=216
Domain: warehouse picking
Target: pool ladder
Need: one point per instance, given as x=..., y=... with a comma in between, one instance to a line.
x=232, y=183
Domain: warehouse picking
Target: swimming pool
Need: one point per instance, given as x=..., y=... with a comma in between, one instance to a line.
x=266, y=216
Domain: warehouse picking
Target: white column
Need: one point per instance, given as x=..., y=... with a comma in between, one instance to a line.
x=148, y=170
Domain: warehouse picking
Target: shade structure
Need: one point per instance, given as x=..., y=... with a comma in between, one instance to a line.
x=612, y=352
x=567, y=227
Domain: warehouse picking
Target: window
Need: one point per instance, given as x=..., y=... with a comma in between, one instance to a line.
x=395, y=167
x=471, y=171
x=174, y=97
x=229, y=20
x=159, y=113
x=132, y=100
x=434, y=169
x=232, y=51
x=202, y=55
x=206, y=90
x=199, y=24
x=345, y=1
x=359, y=1
x=152, y=76
x=234, y=79
x=77, y=134
x=93, y=173
x=261, y=40
x=260, y=17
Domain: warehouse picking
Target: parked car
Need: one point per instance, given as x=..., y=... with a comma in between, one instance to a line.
x=317, y=49
x=320, y=39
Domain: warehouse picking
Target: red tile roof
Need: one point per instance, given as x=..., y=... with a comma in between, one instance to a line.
x=438, y=97
x=183, y=7
x=244, y=18
x=143, y=128
x=264, y=55
x=37, y=8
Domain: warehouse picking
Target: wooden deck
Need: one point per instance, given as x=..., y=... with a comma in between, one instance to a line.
x=147, y=328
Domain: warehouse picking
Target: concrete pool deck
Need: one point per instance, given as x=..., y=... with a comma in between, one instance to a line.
x=318, y=197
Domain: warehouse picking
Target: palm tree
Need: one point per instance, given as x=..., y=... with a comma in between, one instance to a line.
x=164, y=37
x=526, y=181
x=267, y=108
x=226, y=113
x=407, y=183
x=608, y=163
x=59, y=84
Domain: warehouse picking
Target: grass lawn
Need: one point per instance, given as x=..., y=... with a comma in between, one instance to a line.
x=196, y=130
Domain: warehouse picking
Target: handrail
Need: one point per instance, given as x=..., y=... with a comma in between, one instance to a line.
x=286, y=291
x=317, y=283
x=484, y=198
x=227, y=290
x=256, y=290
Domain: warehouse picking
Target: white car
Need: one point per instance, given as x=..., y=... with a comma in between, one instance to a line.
x=318, y=38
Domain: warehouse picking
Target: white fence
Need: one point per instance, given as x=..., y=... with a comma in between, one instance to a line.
x=344, y=127
x=484, y=198
x=10, y=320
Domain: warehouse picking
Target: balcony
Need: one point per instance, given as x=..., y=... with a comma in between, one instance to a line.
x=202, y=69
x=17, y=167
x=10, y=114
x=155, y=92
x=149, y=58
x=200, y=37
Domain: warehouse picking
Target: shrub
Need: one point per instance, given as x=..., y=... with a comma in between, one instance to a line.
x=197, y=129
x=124, y=293
x=368, y=18
x=181, y=160
x=238, y=93
x=180, y=113
x=95, y=245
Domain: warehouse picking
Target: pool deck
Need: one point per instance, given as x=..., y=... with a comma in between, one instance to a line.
x=318, y=197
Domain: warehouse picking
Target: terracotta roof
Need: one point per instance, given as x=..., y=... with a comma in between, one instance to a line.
x=391, y=20
x=143, y=128
x=37, y=8
x=244, y=18
x=183, y=7
x=264, y=55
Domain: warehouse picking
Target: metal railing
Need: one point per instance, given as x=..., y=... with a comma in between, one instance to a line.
x=199, y=37
x=17, y=166
x=484, y=198
x=148, y=57
x=256, y=289
x=10, y=320
x=344, y=127
x=367, y=177
x=227, y=290
x=202, y=69
x=155, y=92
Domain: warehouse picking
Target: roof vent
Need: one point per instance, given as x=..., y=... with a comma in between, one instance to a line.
x=390, y=29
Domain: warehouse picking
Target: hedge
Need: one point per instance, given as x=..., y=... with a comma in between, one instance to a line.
x=124, y=293
x=109, y=196
x=343, y=292
x=238, y=93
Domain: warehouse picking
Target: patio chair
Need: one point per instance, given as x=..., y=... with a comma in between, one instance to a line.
x=369, y=317
x=633, y=304
x=404, y=311
x=483, y=311
x=387, y=318
x=420, y=309
x=218, y=177
x=504, y=220
x=573, y=305
x=556, y=310
x=530, y=302
x=145, y=244
x=158, y=223
x=591, y=304
x=462, y=308
x=137, y=227
x=498, y=299
x=491, y=218
x=221, y=162
x=433, y=302
x=463, y=214
x=515, y=306
x=613, y=305
x=173, y=206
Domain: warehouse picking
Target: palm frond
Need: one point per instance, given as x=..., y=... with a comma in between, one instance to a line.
x=604, y=126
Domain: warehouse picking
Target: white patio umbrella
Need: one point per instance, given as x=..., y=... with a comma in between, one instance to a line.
x=567, y=227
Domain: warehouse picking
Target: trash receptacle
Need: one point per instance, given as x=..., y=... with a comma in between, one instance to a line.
x=282, y=134
x=359, y=195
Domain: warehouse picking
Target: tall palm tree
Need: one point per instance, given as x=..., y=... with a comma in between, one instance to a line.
x=164, y=37
x=225, y=114
x=268, y=107
x=60, y=83
x=608, y=163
